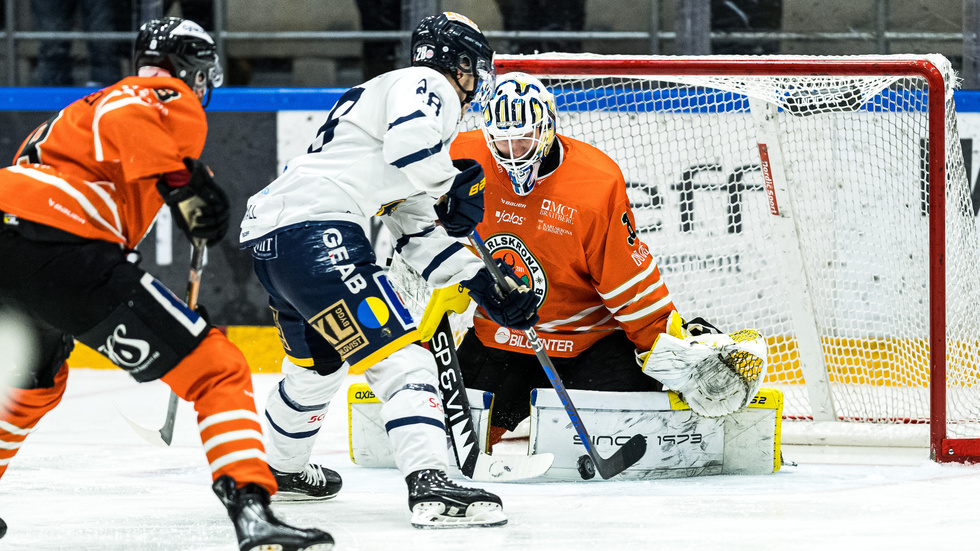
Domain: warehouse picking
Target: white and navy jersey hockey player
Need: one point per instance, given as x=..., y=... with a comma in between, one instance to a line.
x=383, y=152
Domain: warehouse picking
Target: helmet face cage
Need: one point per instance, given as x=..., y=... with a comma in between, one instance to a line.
x=522, y=114
x=181, y=47
x=486, y=76
x=451, y=42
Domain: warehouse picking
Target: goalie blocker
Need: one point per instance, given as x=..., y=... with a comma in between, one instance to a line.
x=680, y=443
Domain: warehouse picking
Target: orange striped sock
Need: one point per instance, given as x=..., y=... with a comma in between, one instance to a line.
x=217, y=379
x=20, y=412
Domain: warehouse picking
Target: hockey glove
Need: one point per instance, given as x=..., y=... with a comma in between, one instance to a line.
x=461, y=208
x=677, y=327
x=516, y=308
x=203, y=312
x=698, y=326
x=200, y=207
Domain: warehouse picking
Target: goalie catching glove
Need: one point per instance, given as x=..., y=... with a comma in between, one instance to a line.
x=515, y=309
x=461, y=208
x=199, y=206
x=716, y=374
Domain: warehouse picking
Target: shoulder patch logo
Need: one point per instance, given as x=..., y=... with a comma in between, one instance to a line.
x=166, y=94
x=514, y=252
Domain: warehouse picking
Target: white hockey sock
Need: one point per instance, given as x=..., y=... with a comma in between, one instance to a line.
x=294, y=412
x=413, y=414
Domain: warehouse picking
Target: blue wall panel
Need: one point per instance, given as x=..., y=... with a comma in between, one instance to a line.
x=297, y=99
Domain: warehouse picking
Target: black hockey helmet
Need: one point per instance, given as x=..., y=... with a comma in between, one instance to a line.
x=450, y=42
x=184, y=49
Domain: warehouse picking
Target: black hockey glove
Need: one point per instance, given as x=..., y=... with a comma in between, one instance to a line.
x=203, y=312
x=200, y=208
x=461, y=208
x=517, y=309
x=698, y=326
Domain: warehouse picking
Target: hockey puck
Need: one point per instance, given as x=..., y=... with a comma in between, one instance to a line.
x=586, y=468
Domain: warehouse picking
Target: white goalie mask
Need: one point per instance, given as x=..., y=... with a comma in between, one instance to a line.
x=519, y=124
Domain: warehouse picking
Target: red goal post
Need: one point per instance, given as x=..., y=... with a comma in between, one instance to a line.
x=825, y=235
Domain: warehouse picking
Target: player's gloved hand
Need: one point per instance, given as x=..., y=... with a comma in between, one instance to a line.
x=199, y=207
x=698, y=326
x=677, y=327
x=516, y=307
x=203, y=312
x=461, y=208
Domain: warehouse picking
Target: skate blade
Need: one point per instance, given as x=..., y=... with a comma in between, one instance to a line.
x=428, y=516
x=294, y=497
x=278, y=547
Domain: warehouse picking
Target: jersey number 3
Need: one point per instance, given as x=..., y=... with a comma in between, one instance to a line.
x=343, y=106
x=630, y=230
x=30, y=153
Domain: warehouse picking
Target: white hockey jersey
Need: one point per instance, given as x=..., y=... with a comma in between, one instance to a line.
x=383, y=151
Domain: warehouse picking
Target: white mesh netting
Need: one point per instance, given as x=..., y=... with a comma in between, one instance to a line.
x=855, y=161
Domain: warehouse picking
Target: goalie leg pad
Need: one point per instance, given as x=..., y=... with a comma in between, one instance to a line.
x=716, y=374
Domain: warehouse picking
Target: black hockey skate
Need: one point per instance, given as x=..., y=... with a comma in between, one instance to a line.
x=312, y=484
x=436, y=502
x=257, y=528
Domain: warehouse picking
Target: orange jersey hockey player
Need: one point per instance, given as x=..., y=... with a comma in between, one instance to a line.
x=110, y=149
x=83, y=190
x=558, y=214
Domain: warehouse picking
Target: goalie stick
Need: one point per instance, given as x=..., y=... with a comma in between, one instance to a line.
x=630, y=452
x=473, y=463
x=165, y=435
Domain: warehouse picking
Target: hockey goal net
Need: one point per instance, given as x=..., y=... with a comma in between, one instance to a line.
x=798, y=195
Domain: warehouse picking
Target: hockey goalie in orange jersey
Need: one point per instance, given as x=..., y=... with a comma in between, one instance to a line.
x=82, y=192
x=558, y=214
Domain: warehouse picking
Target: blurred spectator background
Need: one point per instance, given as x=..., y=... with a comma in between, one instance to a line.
x=55, y=63
x=322, y=42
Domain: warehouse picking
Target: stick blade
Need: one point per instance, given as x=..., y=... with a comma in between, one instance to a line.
x=167, y=431
x=625, y=457
x=150, y=435
x=508, y=468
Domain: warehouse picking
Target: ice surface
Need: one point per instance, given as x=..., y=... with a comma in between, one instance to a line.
x=85, y=481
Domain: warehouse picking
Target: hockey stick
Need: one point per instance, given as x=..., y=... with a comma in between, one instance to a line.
x=630, y=452
x=165, y=435
x=473, y=463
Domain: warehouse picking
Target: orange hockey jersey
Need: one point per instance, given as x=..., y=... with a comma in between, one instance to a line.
x=572, y=240
x=92, y=169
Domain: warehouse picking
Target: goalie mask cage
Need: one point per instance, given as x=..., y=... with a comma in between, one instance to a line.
x=798, y=195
